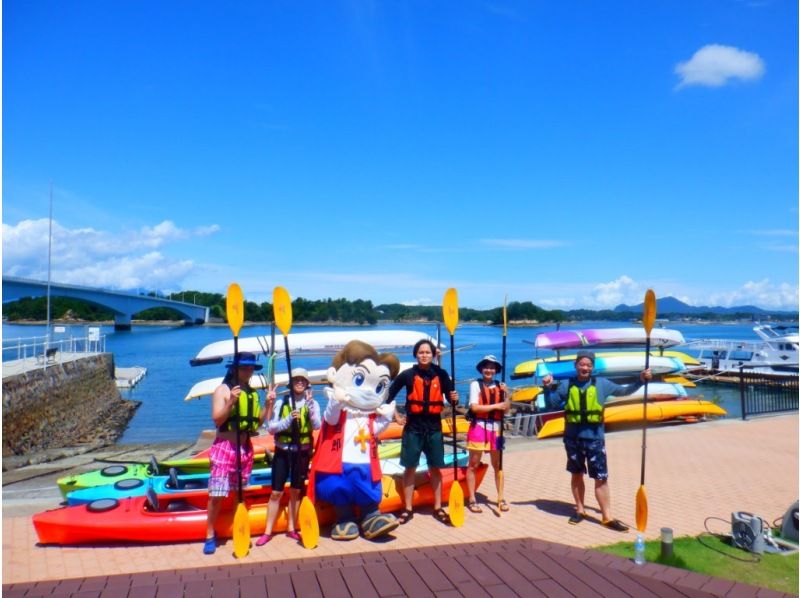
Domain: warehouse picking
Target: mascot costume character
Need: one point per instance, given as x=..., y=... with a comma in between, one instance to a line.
x=345, y=470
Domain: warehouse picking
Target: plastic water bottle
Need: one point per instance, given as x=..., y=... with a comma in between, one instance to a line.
x=638, y=550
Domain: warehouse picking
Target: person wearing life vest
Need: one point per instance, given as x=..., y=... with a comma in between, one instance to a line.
x=292, y=455
x=426, y=386
x=489, y=401
x=582, y=397
x=235, y=409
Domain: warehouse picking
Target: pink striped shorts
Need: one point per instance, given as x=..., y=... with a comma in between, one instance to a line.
x=223, y=477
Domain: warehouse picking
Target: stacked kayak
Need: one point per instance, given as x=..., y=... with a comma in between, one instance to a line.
x=159, y=519
x=138, y=471
x=607, y=337
x=612, y=366
x=630, y=413
x=527, y=369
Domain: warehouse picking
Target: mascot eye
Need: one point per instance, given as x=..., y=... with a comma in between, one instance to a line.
x=358, y=379
x=379, y=388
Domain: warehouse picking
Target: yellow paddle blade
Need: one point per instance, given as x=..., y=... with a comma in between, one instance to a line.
x=241, y=531
x=309, y=524
x=505, y=316
x=641, y=509
x=450, y=310
x=499, y=496
x=282, y=310
x=234, y=308
x=649, y=316
x=455, y=505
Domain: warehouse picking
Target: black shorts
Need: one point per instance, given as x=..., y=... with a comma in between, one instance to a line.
x=286, y=462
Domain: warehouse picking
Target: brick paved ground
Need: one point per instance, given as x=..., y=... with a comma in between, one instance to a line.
x=693, y=472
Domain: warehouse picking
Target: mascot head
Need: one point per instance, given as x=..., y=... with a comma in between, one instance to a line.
x=361, y=377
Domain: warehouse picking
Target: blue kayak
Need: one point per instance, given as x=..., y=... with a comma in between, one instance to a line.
x=163, y=484
x=622, y=366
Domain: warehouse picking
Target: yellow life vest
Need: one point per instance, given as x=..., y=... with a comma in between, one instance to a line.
x=582, y=406
x=247, y=413
x=286, y=436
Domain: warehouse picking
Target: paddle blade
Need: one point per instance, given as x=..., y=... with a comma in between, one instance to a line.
x=649, y=315
x=282, y=309
x=234, y=308
x=241, y=531
x=641, y=509
x=499, y=496
x=450, y=310
x=456, y=505
x=309, y=524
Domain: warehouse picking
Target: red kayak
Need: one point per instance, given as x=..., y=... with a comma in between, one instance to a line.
x=169, y=518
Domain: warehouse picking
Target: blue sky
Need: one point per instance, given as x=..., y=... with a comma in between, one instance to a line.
x=572, y=154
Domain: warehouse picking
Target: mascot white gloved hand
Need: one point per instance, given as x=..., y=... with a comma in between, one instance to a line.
x=346, y=471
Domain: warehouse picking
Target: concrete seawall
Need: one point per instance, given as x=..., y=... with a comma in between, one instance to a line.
x=74, y=404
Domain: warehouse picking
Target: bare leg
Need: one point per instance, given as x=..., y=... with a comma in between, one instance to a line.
x=294, y=501
x=408, y=487
x=214, y=503
x=272, y=511
x=474, y=461
x=603, y=493
x=578, y=492
x=436, y=484
x=498, y=479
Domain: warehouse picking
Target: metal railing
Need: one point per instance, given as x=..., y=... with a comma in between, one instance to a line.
x=50, y=351
x=763, y=393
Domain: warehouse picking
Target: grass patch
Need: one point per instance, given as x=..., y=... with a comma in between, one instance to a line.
x=715, y=555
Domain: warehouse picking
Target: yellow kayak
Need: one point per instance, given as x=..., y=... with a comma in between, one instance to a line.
x=389, y=450
x=525, y=395
x=462, y=425
x=528, y=368
x=633, y=413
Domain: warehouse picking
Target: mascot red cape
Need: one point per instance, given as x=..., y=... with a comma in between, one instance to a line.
x=345, y=470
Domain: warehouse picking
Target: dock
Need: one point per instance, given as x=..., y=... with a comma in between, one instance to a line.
x=127, y=378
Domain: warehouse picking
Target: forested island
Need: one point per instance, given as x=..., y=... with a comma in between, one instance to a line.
x=363, y=312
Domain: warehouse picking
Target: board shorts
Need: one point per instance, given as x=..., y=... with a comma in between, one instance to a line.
x=587, y=455
x=223, y=478
x=354, y=486
x=415, y=443
x=286, y=463
x=481, y=439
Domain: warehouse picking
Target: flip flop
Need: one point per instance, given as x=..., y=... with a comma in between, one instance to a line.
x=576, y=518
x=502, y=505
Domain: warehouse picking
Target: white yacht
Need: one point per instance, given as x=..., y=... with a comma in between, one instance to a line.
x=775, y=355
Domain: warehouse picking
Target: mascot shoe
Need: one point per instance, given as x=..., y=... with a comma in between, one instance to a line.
x=345, y=530
x=377, y=524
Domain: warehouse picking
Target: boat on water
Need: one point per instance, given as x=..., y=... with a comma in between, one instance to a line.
x=164, y=519
x=775, y=355
x=632, y=413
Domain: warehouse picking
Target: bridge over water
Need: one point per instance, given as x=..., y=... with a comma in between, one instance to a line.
x=124, y=305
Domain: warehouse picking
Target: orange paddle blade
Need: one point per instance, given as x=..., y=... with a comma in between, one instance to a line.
x=641, y=509
x=649, y=315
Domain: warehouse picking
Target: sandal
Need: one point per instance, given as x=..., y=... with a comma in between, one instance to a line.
x=576, y=518
x=441, y=515
x=210, y=545
x=502, y=505
x=473, y=507
x=293, y=535
x=263, y=539
x=616, y=525
x=405, y=516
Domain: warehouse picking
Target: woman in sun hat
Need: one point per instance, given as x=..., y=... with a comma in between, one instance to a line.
x=235, y=409
x=292, y=448
x=488, y=403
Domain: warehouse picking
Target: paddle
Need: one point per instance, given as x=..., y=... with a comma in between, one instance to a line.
x=648, y=319
x=456, y=500
x=501, y=441
x=234, y=308
x=307, y=514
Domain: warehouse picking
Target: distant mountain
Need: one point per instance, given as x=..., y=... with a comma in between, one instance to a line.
x=671, y=305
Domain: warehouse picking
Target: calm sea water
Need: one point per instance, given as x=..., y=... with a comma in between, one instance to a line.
x=166, y=351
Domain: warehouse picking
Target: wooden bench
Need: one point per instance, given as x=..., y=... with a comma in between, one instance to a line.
x=48, y=356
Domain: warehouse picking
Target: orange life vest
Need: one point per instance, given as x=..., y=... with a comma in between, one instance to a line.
x=490, y=396
x=426, y=396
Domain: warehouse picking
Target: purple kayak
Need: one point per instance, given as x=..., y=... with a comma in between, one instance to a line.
x=607, y=337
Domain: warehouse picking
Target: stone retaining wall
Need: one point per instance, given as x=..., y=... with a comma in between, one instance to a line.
x=69, y=404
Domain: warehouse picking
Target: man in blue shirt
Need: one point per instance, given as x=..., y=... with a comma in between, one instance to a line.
x=582, y=397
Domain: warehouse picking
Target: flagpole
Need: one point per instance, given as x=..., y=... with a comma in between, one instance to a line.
x=49, y=262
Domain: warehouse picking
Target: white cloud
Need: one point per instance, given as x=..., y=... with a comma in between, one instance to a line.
x=610, y=294
x=714, y=65
x=761, y=293
x=523, y=243
x=97, y=258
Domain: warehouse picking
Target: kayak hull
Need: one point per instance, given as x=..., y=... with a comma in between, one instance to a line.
x=612, y=366
x=608, y=337
x=528, y=368
x=184, y=519
x=632, y=413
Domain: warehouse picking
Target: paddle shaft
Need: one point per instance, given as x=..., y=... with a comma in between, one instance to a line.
x=503, y=396
x=238, y=417
x=453, y=406
x=644, y=429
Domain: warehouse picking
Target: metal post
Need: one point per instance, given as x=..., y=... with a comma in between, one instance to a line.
x=666, y=543
x=741, y=392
